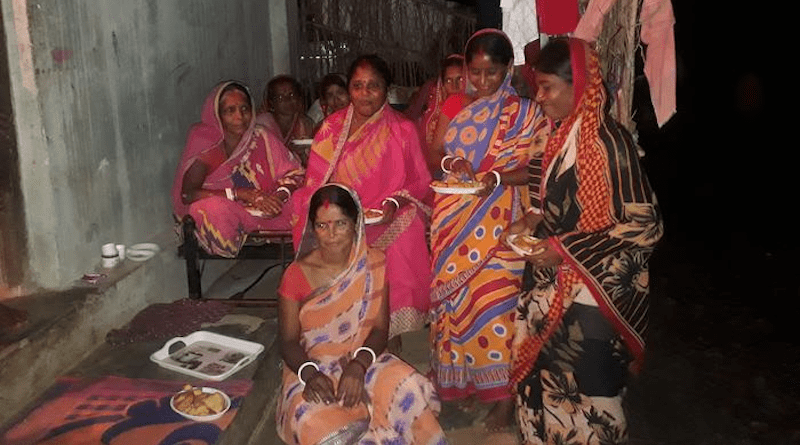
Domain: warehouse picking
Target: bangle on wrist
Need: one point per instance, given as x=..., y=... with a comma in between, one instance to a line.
x=497, y=177
x=441, y=164
x=230, y=194
x=285, y=189
x=302, y=367
x=365, y=348
x=392, y=200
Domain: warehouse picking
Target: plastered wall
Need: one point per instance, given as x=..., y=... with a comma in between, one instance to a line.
x=104, y=92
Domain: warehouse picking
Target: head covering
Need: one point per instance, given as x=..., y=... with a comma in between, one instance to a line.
x=470, y=89
x=436, y=98
x=204, y=136
x=308, y=240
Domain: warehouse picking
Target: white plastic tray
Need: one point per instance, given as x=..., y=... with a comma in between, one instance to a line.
x=207, y=355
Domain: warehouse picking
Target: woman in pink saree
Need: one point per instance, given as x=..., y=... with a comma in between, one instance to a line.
x=339, y=386
x=234, y=177
x=374, y=150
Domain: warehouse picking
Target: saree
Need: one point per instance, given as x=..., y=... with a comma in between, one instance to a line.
x=259, y=161
x=381, y=159
x=476, y=278
x=580, y=330
x=335, y=320
x=433, y=107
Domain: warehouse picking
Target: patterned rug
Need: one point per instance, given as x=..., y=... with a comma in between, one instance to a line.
x=166, y=320
x=119, y=411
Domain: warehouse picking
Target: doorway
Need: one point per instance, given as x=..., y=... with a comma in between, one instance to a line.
x=13, y=245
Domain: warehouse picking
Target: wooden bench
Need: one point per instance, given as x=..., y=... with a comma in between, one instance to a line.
x=262, y=245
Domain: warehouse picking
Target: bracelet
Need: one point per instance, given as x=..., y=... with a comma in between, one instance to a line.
x=497, y=178
x=441, y=164
x=230, y=194
x=365, y=348
x=302, y=367
x=392, y=200
x=285, y=189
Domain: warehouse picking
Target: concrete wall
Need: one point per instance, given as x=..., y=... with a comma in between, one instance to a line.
x=104, y=92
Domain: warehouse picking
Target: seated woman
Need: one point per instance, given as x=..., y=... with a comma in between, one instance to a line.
x=338, y=383
x=234, y=177
x=333, y=96
x=283, y=112
x=373, y=149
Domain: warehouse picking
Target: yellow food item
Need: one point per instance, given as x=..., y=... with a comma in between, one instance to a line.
x=195, y=402
x=458, y=184
x=372, y=213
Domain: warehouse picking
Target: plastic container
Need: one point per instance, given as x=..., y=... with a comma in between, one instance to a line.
x=207, y=355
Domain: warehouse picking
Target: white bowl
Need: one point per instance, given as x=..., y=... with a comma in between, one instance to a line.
x=203, y=418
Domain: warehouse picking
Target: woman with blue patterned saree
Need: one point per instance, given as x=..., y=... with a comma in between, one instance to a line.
x=340, y=386
x=487, y=134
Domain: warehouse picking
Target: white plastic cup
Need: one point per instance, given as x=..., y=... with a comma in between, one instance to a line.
x=109, y=250
x=121, y=251
x=110, y=261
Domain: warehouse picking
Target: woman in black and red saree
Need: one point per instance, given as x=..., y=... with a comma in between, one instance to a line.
x=579, y=330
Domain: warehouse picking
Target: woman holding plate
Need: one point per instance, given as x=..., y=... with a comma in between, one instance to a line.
x=234, y=176
x=376, y=151
x=580, y=329
x=486, y=133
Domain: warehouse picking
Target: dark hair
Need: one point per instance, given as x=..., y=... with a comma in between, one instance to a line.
x=330, y=80
x=554, y=59
x=376, y=63
x=495, y=45
x=236, y=86
x=281, y=78
x=451, y=60
x=333, y=194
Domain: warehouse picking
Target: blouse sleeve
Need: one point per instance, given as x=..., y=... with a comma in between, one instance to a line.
x=453, y=105
x=294, y=284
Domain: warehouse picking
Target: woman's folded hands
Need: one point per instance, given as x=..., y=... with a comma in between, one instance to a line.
x=319, y=387
x=269, y=203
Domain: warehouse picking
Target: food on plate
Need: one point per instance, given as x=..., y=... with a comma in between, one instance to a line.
x=458, y=184
x=373, y=213
x=195, y=402
x=526, y=243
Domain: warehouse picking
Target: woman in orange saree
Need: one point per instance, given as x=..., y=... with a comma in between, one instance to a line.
x=339, y=386
x=374, y=150
x=486, y=133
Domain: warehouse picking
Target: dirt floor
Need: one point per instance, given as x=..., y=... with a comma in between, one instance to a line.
x=722, y=354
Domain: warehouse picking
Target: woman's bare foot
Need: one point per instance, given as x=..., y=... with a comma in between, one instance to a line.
x=395, y=345
x=500, y=416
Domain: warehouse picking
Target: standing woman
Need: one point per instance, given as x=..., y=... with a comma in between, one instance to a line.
x=579, y=331
x=375, y=150
x=488, y=133
x=449, y=82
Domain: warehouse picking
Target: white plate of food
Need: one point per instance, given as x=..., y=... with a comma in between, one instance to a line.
x=457, y=188
x=372, y=216
x=201, y=404
x=525, y=244
x=254, y=212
